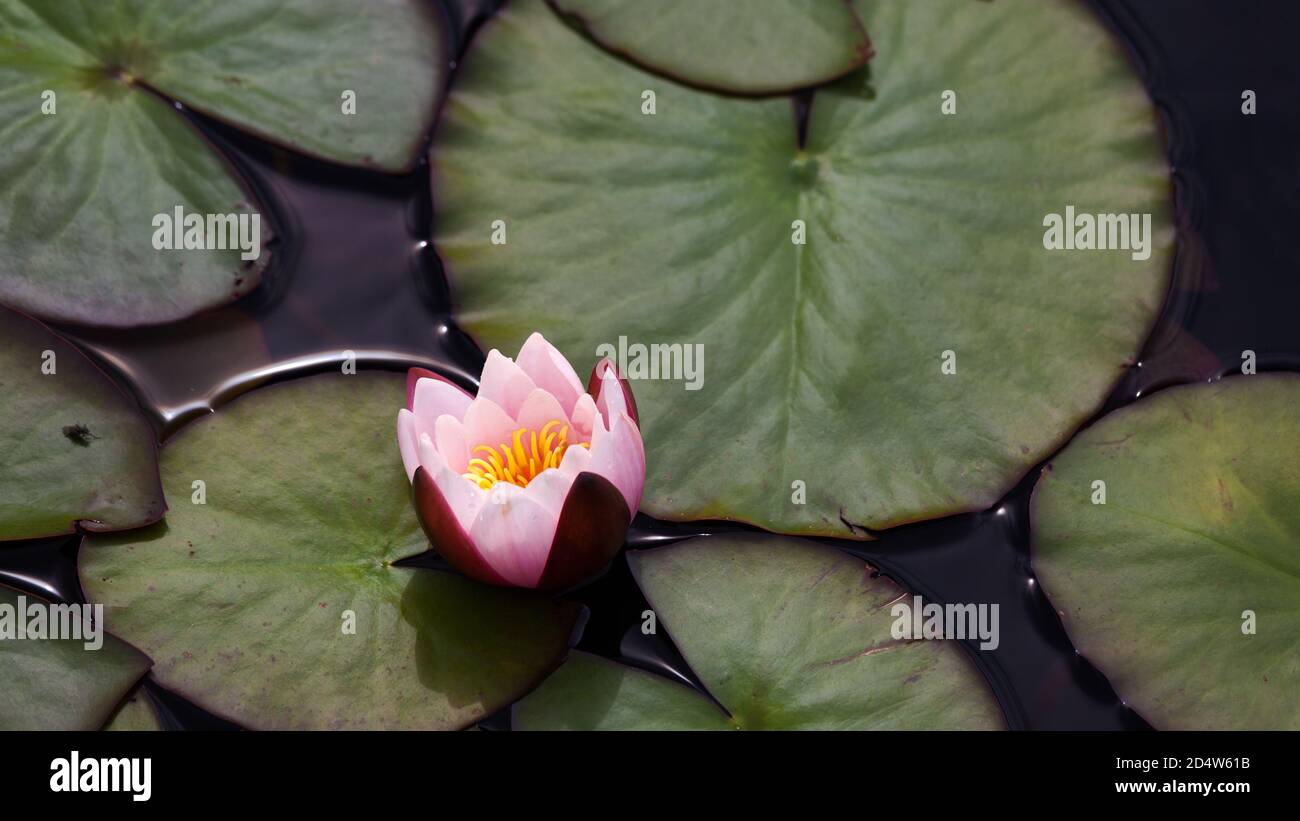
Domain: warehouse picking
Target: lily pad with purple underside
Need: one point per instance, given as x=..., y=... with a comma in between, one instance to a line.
x=740, y=46
x=74, y=448
x=1184, y=586
x=823, y=406
x=278, y=603
x=785, y=635
x=94, y=149
x=61, y=684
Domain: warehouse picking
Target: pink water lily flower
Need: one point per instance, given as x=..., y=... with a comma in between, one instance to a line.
x=533, y=482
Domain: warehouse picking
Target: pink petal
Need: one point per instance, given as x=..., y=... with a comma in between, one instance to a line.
x=610, y=401
x=575, y=461
x=414, y=375
x=434, y=397
x=597, y=387
x=550, y=371
x=464, y=497
x=449, y=438
x=513, y=533
x=504, y=383
x=583, y=419
x=487, y=424
x=538, y=409
x=443, y=529
x=549, y=488
x=619, y=456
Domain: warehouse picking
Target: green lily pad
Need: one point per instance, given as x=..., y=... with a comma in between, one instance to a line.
x=86, y=170
x=1199, y=526
x=823, y=362
x=135, y=715
x=593, y=693
x=244, y=602
x=61, y=684
x=73, y=447
x=743, y=46
x=785, y=635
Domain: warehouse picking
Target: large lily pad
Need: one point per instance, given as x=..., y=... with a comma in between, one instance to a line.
x=924, y=234
x=745, y=46
x=73, y=447
x=1200, y=524
x=243, y=602
x=80, y=184
x=785, y=635
x=61, y=684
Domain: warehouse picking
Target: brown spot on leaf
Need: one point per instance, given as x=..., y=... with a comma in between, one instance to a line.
x=1225, y=497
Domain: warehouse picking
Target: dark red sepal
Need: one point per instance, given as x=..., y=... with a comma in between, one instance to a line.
x=416, y=374
x=596, y=381
x=448, y=537
x=592, y=527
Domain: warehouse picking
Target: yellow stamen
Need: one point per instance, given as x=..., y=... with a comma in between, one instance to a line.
x=527, y=454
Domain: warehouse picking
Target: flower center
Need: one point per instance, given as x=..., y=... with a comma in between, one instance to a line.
x=529, y=453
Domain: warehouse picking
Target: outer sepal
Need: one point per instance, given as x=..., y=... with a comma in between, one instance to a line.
x=592, y=527
x=443, y=529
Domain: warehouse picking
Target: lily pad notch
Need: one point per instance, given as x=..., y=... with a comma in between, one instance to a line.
x=280, y=602
x=828, y=283
x=828, y=662
x=89, y=103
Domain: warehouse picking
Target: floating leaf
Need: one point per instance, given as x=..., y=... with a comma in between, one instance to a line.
x=1183, y=586
x=136, y=714
x=245, y=602
x=93, y=154
x=744, y=46
x=73, y=447
x=592, y=693
x=822, y=362
x=61, y=684
x=785, y=634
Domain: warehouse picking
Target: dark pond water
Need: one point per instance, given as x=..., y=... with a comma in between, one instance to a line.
x=355, y=273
